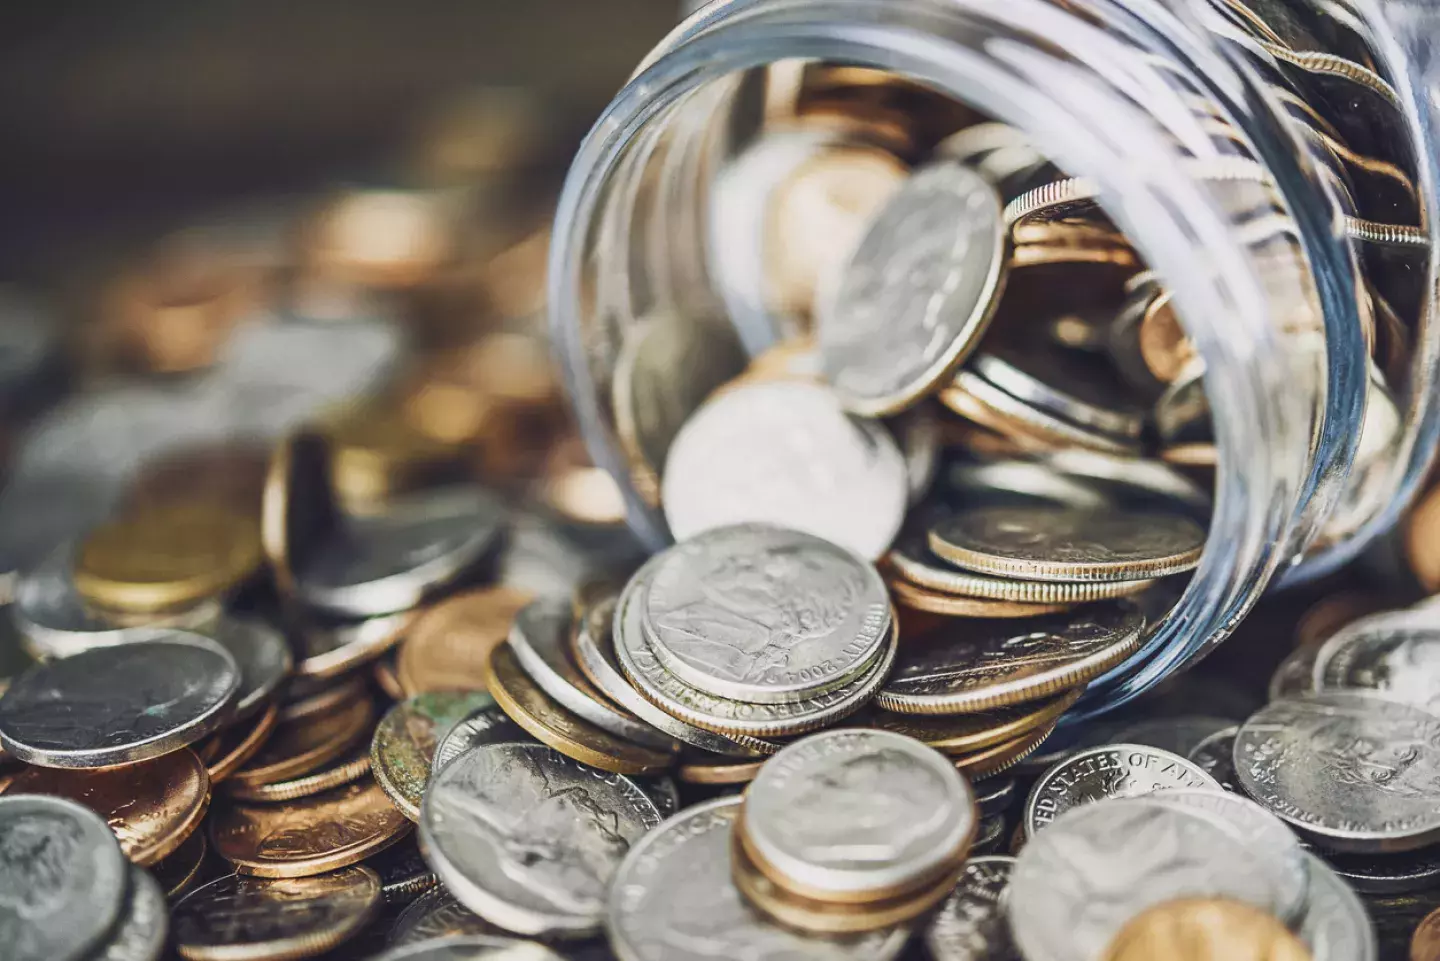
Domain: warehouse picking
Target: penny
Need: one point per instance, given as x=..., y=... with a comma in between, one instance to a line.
x=448, y=646
x=673, y=899
x=695, y=771
x=230, y=749
x=958, y=605
x=309, y=696
x=1111, y=771
x=1358, y=772
x=144, y=922
x=979, y=665
x=304, y=744
x=1205, y=929
x=178, y=872
x=486, y=725
x=436, y=914
x=547, y=721
x=263, y=656
x=764, y=614
x=1215, y=755
x=119, y=705
x=1336, y=923
x=1002, y=757
x=166, y=558
x=64, y=876
x=472, y=947
x=964, y=733
x=297, y=505
x=1063, y=544
x=488, y=810
x=971, y=924
x=332, y=649
x=1394, y=655
x=403, y=746
x=1425, y=944
x=320, y=833
x=239, y=918
x=1164, y=346
x=404, y=875
x=786, y=453
x=350, y=768
x=387, y=679
x=152, y=806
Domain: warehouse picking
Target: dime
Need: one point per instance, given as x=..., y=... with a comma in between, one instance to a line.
x=1388, y=873
x=344, y=771
x=1063, y=544
x=956, y=605
x=1394, y=655
x=263, y=657
x=1002, y=757
x=449, y=645
x=239, y=918
x=885, y=337
x=971, y=923
x=177, y=873
x=672, y=899
x=332, y=649
x=144, y=922
x=64, y=878
x=404, y=875
x=117, y=705
x=1111, y=771
x=786, y=453
x=472, y=947
x=1216, y=757
x=764, y=614
x=486, y=725
x=1360, y=772
x=979, y=665
x=403, y=746
x=1425, y=945
x=488, y=810
x=964, y=733
x=1205, y=929
x=315, y=834
x=152, y=806
x=436, y=914
x=306, y=743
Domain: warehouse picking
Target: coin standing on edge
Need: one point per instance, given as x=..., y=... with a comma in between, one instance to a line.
x=1109, y=771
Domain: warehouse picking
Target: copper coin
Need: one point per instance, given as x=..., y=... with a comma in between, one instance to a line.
x=931, y=601
x=152, y=806
x=449, y=645
x=1003, y=756
x=961, y=734
x=309, y=836
x=387, y=679
x=178, y=873
x=307, y=743
x=232, y=748
x=1422, y=541
x=1205, y=929
x=350, y=768
x=717, y=772
x=1425, y=943
x=1164, y=346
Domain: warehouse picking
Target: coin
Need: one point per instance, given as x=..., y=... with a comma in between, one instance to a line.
x=672, y=899
x=1336, y=924
x=884, y=341
x=1003, y=756
x=309, y=696
x=376, y=454
x=1111, y=771
x=404, y=744
x=971, y=924
x=230, y=749
x=387, y=680
x=1388, y=873
x=728, y=771
x=976, y=399
x=1425, y=945
x=1420, y=540
x=404, y=875
x=144, y=922
x=436, y=914
x=958, y=605
x=1359, y=772
x=239, y=918
x=304, y=744
x=487, y=810
x=152, y=806
x=764, y=614
x=67, y=878
x=449, y=645
x=965, y=733
x=347, y=769
x=1295, y=676
x=1216, y=757
x=117, y=705
x=979, y=665
x=1329, y=614
x=330, y=649
x=1394, y=655
x=472, y=947
x=297, y=505
x=994, y=797
x=263, y=656
x=1051, y=379
x=756, y=453
x=1063, y=544
x=178, y=872
x=309, y=836
x=486, y=725
x=1205, y=929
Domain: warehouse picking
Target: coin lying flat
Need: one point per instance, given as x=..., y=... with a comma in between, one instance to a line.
x=263, y=656
x=971, y=923
x=1388, y=873
x=236, y=745
x=1001, y=757
x=994, y=797
x=673, y=900
x=1394, y=655
x=448, y=646
x=1359, y=772
x=144, y=922
x=488, y=810
x=117, y=705
x=963, y=733
x=350, y=768
x=305, y=743
x=727, y=771
x=1064, y=544
x=404, y=875
x=239, y=918
x=332, y=648
x=178, y=873
x=1111, y=771
x=978, y=665
x=402, y=749
x=1050, y=379
x=1205, y=929
x=64, y=878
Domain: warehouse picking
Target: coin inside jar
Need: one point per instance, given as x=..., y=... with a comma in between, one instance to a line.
x=1205, y=929
x=957, y=734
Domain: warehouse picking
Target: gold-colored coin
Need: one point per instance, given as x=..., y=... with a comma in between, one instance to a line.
x=449, y=645
x=350, y=768
x=1205, y=929
x=1002, y=757
x=305, y=744
x=531, y=708
x=179, y=871
x=1422, y=541
x=693, y=771
x=921, y=598
x=310, y=836
x=1164, y=346
x=1425, y=942
x=234, y=747
x=166, y=558
x=965, y=734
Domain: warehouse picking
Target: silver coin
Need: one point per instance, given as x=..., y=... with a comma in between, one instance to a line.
x=383, y=563
x=764, y=614
x=117, y=705
x=1048, y=379
x=63, y=876
x=1388, y=873
x=995, y=796
x=1108, y=772
x=330, y=648
x=1336, y=926
x=968, y=392
x=403, y=873
x=487, y=725
x=672, y=900
x=527, y=838
x=263, y=656
x=436, y=914
x=1295, y=677
x=917, y=291
x=848, y=812
x=1359, y=772
x=144, y=922
x=1393, y=655
x=1076, y=883
x=917, y=430
x=786, y=453
x=1216, y=757
x=1178, y=735
x=539, y=636
x=971, y=924
x=990, y=836
x=471, y=947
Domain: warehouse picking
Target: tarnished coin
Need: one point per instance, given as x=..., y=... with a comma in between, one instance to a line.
x=263, y=656
x=235, y=746
x=152, y=806
x=321, y=833
x=448, y=646
x=1388, y=873
x=307, y=742
x=852, y=815
x=403, y=747
x=673, y=900
x=1063, y=544
x=1077, y=883
x=144, y=923
x=472, y=947
x=117, y=705
x=1394, y=655
x=764, y=614
x=239, y=918
x=959, y=605
x=487, y=725
x=488, y=811
x=971, y=923
x=1425, y=944
x=1111, y=771
x=436, y=914
x=178, y=873
x=1215, y=755
x=978, y=665
x=1205, y=929
x=1359, y=772
x=786, y=453
x=917, y=291
x=964, y=733
x=64, y=878
x=346, y=770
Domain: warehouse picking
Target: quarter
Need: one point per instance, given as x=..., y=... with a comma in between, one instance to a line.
x=1107, y=772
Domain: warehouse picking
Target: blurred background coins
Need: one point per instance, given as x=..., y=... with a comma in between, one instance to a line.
x=1202, y=929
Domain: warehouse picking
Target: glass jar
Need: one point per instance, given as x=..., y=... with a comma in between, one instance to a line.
x=1124, y=93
